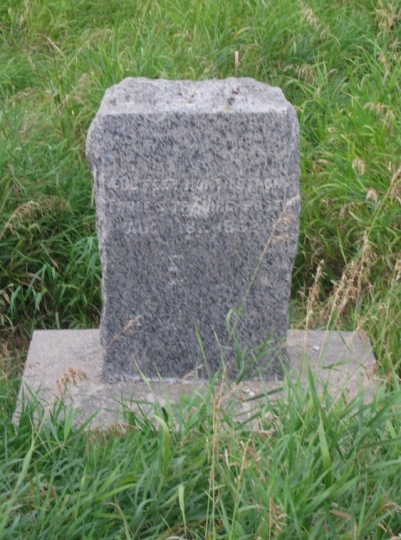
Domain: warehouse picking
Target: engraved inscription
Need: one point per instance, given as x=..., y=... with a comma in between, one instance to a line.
x=140, y=229
x=195, y=207
x=194, y=227
x=227, y=226
x=126, y=187
x=173, y=269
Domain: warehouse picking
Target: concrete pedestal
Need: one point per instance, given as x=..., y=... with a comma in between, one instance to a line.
x=67, y=364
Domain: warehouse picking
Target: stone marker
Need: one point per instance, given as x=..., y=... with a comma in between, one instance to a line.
x=197, y=198
x=67, y=364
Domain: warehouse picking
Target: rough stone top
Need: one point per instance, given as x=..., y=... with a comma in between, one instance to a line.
x=159, y=96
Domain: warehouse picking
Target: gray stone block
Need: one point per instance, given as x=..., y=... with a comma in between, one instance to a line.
x=66, y=364
x=197, y=197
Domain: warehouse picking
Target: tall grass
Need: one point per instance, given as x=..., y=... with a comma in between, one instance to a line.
x=338, y=64
x=301, y=466
x=313, y=468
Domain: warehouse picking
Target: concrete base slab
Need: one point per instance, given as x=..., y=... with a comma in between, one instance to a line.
x=67, y=364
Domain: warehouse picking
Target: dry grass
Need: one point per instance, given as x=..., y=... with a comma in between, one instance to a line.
x=28, y=213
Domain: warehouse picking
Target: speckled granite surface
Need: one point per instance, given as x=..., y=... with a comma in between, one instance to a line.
x=197, y=187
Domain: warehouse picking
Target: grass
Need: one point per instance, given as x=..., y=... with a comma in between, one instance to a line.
x=304, y=466
x=321, y=469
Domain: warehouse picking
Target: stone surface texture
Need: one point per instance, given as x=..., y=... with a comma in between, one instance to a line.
x=67, y=364
x=197, y=198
